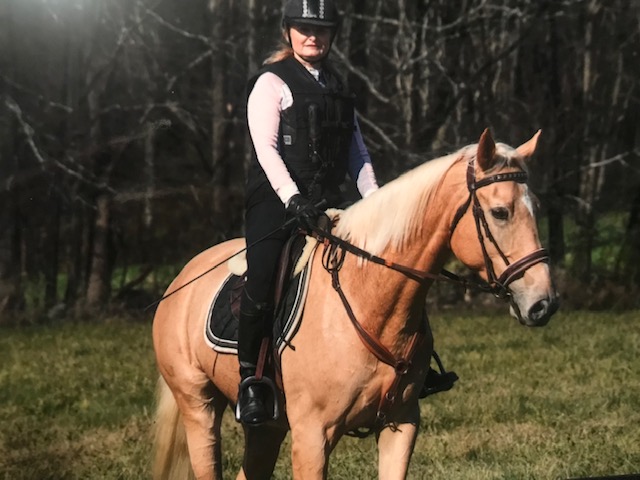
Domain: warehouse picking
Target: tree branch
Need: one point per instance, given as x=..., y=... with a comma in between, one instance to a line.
x=361, y=75
x=29, y=134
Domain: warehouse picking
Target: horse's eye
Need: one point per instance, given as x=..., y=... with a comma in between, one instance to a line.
x=500, y=213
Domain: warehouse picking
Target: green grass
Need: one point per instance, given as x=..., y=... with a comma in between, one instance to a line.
x=563, y=401
x=75, y=401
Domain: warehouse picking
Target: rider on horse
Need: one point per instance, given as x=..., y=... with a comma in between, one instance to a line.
x=306, y=138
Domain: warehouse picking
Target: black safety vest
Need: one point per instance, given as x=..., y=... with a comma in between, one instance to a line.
x=315, y=133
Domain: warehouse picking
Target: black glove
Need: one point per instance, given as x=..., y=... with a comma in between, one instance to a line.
x=306, y=213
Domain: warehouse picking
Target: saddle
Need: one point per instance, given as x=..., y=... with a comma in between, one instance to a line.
x=221, y=325
x=289, y=257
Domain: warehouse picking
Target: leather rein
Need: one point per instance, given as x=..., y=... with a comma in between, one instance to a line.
x=335, y=250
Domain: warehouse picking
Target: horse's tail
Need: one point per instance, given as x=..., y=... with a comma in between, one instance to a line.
x=171, y=455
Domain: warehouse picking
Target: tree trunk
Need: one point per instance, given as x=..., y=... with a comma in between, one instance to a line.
x=589, y=175
x=11, y=295
x=75, y=268
x=149, y=173
x=220, y=12
x=99, y=288
x=357, y=54
x=628, y=263
x=252, y=66
x=51, y=249
x=555, y=198
x=95, y=226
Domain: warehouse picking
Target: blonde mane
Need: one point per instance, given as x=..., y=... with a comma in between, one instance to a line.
x=391, y=216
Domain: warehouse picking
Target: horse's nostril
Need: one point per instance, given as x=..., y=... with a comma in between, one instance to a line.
x=538, y=308
x=542, y=310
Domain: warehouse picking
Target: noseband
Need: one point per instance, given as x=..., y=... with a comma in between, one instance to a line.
x=499, y=286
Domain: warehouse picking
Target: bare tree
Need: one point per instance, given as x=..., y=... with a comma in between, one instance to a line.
x=11, y=296
x=123, y=137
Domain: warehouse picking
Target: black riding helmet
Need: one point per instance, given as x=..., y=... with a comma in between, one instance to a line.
x=322, y=13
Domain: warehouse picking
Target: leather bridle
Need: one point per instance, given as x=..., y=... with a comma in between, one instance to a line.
x=498, y=285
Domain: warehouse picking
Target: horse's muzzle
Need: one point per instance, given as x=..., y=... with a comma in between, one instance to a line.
x=540, y=312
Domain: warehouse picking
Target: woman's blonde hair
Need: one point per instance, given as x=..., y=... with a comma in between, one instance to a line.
x=282, y=53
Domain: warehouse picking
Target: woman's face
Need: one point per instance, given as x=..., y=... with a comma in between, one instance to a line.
x=310, y=43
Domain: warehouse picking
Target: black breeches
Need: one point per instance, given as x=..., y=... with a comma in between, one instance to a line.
x=262, y=219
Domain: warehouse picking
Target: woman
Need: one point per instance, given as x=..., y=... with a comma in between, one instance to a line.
x=306, y=138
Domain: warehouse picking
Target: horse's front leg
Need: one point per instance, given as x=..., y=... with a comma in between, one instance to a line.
x=395, y=445
x=311, y=445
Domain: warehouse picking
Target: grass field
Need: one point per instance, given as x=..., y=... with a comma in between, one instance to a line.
x=76, y=402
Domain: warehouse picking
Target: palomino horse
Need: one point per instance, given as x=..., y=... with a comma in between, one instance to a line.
x=337, y=378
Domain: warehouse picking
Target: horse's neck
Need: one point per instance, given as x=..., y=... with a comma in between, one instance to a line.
x=389, y=302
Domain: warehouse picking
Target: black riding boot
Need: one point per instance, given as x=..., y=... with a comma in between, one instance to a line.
x=252, y=397
x=437, y=381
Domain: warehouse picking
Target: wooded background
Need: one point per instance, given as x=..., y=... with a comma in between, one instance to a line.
x=123, y=144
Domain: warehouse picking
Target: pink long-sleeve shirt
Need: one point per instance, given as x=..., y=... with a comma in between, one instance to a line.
x=269, y=97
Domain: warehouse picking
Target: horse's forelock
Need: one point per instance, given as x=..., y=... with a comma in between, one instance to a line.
x=507, y=156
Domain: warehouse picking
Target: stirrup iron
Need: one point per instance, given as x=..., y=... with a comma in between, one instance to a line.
x=266, y=382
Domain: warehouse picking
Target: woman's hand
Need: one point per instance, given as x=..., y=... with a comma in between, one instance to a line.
x=306, y=213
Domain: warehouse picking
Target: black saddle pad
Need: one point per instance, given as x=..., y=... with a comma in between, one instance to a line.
x=222, y=334
x=221, y=325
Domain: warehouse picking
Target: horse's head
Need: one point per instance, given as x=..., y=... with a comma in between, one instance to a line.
x=495, y=232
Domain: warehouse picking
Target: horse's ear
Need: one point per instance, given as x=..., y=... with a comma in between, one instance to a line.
x=527, y=149
x=486, y=150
